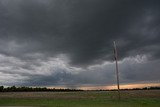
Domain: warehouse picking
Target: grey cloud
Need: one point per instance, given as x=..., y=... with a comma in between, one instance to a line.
x=57, y=72
x=33, y=31
x=142, y=71
x=84, y=30
x=132, y=70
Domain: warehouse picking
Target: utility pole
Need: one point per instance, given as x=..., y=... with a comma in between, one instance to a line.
x=117, y=72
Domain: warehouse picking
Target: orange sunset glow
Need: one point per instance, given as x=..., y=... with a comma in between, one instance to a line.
x=123, y=86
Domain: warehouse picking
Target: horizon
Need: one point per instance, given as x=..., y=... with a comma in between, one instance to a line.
x=100, y=87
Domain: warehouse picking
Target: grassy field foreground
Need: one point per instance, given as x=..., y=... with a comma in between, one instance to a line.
x=138, y=98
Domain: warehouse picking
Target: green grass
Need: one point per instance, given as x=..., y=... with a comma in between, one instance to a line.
x=81, y=99
x=81, y=103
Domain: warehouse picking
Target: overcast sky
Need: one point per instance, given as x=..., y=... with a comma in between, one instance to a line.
x=70, y=42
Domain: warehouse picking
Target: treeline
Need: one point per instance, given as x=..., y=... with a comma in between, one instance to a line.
x=36, y=89
x=147, y=88
x=144, y=88
x=41, y=89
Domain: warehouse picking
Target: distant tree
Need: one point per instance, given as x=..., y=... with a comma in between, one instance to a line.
x=1, y=88
x=13, y=88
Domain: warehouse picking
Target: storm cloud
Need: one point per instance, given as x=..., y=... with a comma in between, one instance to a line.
x=51, y=42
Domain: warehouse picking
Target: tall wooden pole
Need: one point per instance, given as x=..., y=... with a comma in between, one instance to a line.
x=117, y=72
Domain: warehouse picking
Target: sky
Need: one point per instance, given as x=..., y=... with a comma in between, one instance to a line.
x=69, y=43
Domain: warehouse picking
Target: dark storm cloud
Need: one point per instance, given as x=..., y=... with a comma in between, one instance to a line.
x=34, y=32
x=82, y=29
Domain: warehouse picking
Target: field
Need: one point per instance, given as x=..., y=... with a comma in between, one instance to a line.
x=138, y=98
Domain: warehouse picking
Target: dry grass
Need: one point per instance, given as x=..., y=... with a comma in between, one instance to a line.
x=82, y=95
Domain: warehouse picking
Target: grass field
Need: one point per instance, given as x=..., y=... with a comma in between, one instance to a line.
x=138, y=98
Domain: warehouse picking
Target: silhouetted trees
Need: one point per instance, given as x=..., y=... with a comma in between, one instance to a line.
x=31, y=89
x=144, y=88
x=41, y=89
x=1, y=88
